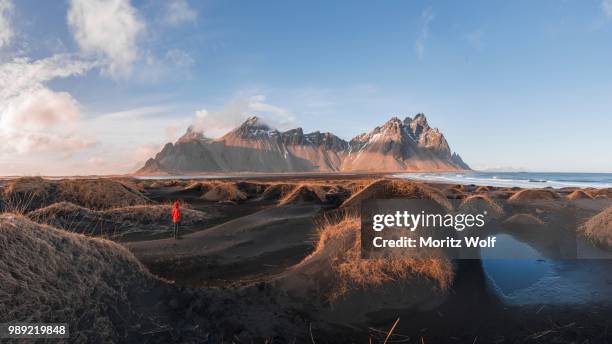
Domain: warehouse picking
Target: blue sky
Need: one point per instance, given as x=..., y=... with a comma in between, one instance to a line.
x=513, y=84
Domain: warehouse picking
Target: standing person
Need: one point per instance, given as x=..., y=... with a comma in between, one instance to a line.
x=176, y=217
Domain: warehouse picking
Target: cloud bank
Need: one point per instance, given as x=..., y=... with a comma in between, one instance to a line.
x=218, y=122
x=108, y=29
x=35, y=119
x=6, y=31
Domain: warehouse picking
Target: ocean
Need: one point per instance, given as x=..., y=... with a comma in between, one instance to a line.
x=521, y=179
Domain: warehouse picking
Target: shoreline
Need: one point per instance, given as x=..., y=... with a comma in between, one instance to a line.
x=525, y=180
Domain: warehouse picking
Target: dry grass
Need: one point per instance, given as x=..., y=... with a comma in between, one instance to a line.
x=395, y=188
x=483, y=189
x=48, y=275
x=23, y=194
x=29, y=193
x=453, y=192
x=115, y=221
x=602, y=193
x=277, y=191
x=458, y=187
x=154, y=215
x=197, y=186
x=523, y=220
x=223, y=191
x=301, y=194
x=578, y=194
x=251, y=188
x=339, y=248
x=598, y=229
x=481, y=203
x=356, y=186
x=220, y=191
x=528, y=195
x=73, y=218
x=155, y=184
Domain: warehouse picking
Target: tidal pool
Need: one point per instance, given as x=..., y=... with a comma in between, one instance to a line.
x=541, y=281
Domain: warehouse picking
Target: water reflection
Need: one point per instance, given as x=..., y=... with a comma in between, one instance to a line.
x=541, y=281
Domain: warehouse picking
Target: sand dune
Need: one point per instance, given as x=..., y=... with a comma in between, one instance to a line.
x=334, y=273
x=481, y=203
x=98, y=291
x=599, y=228
x=578, y=194
x=394, y=188
x=117, y=222
x=29, y=193
x=285, y=251
x=267, y=237
x=530, y=195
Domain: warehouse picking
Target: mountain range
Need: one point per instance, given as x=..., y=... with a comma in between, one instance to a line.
x=398, y=145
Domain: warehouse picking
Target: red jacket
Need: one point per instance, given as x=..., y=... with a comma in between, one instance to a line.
x=176, y=213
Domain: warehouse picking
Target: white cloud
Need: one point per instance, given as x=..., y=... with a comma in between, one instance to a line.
x=426, y=18
x=22, y=75
x=219, y=122
x=39, y=110
x=108, y=29
x=6, y=31
x=35, y=119
x=179, y=11
x=606, y=6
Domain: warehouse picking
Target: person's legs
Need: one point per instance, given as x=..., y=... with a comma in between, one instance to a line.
x=178, y=227
x=175, y=230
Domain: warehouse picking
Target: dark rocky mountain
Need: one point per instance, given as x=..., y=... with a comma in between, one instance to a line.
x=398, y=145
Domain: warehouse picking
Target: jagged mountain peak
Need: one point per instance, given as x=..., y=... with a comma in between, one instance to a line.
x=192, y=134
x=393, y=121
x=396, y=145
x=420, y=119
x=252, y=127
x=255, y=122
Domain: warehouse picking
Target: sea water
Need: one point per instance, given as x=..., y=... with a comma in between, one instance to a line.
x=518, y=179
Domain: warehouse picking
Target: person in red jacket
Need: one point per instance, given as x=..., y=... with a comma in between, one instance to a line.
x=176, y=217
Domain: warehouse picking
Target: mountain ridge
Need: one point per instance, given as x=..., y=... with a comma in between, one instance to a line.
x=397, y=145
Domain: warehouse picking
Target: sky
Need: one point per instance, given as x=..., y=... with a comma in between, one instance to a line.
x=99, y=86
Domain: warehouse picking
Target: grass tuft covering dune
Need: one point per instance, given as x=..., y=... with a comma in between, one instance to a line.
x=277, y=191
x=220, y=192
x=336, y=263
x=301, y=194
x=481, y=203
x=29, y=193
x=115, y=221
x=598, y=229
x=529, y=195
x=602, y=193
x=578, y=194
x=523, y=220
x=49, y=275
x=395, y=188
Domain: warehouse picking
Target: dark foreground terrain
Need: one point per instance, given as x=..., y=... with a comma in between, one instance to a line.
x=264, y=260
